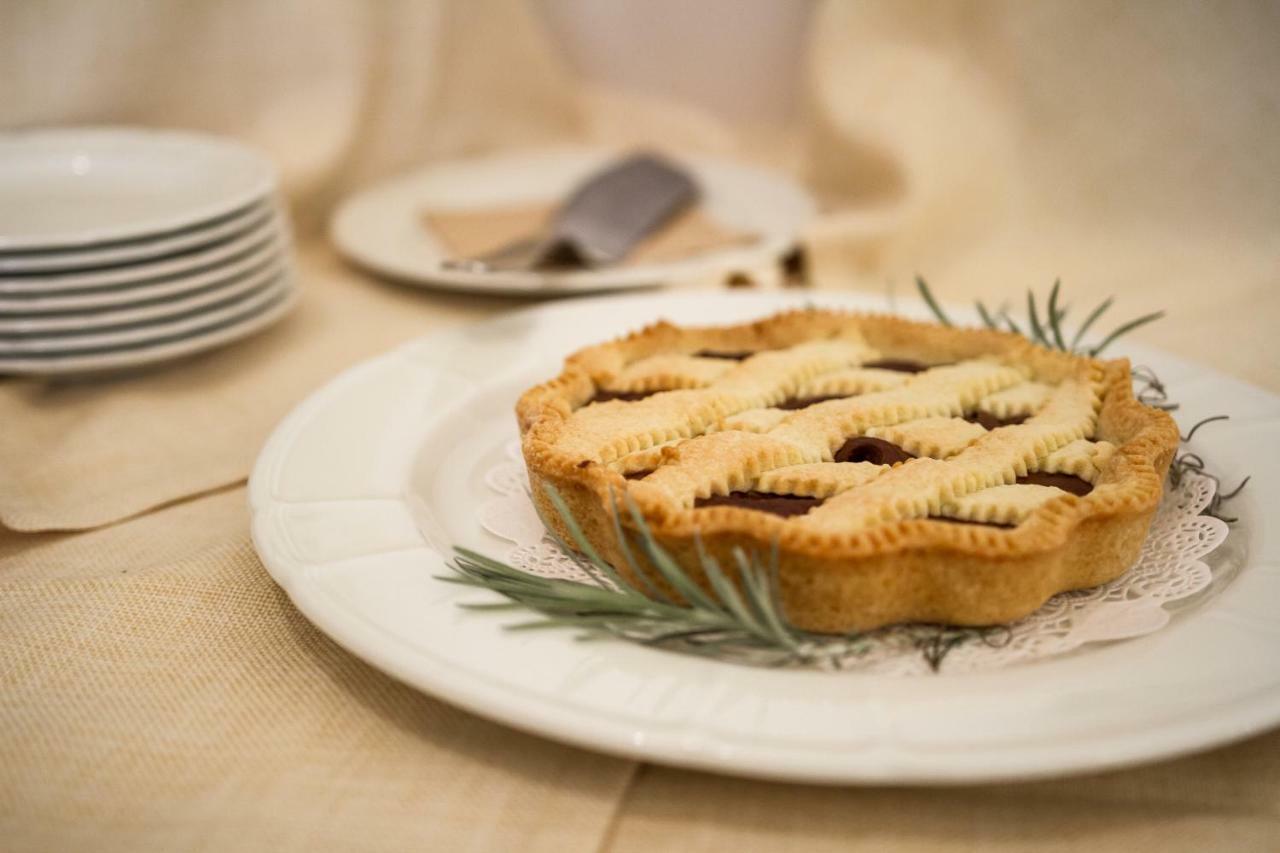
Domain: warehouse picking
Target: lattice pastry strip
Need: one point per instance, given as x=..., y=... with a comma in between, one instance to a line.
x=1000, y=504
x=603, y=432
x=607, y=431
x=1073, y=403
x=1020, y=400
x=752, y=420
x=1018, y=449
x=645, y=460
x=697, y=470
x=1081, y=458
x=770, y=377
x=921, y=487
x=670, y=372
x=813, y=434
x=934, y=437
x=726, y=437
x=969, y=380
x=857, y=380
x=910, y=490
x=818, y=479
x=940, y=392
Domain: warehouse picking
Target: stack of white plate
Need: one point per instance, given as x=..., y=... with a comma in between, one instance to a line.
x=126, y=247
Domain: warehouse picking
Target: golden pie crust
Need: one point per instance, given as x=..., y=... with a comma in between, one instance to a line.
x=879, y=549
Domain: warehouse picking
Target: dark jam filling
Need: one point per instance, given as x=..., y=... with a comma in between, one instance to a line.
x=900, y=365
x=736, y=355
x=877, y=451
x=988, y=421
x=603, y=396
x=973, y=523
x=858, y=449
x=805, y=402
x=895, y=364
x=783, y=505
x=1066, y=482
x=861, y=448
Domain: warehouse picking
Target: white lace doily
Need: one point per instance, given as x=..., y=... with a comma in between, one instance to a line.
x=1171, y=567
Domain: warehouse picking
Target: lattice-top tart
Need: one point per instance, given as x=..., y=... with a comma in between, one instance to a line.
x=903, y=471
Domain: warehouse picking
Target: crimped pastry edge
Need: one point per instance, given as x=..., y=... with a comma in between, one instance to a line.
x=917, y=570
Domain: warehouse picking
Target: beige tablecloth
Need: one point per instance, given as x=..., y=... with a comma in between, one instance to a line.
x=158, y=692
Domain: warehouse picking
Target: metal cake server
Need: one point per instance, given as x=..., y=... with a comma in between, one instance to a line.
x=601, y=221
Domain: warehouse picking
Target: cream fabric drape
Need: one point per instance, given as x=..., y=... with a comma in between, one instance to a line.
x=1128, y=148
x=338, y=91
x=158, y=692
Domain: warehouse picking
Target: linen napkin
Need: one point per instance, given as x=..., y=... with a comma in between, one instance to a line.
x=82, y=453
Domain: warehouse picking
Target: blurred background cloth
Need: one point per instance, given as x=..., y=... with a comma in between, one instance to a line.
x=1130, y=148
x=992, y=144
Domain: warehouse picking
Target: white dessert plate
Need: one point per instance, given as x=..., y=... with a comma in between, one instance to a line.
x=196, y=237
x=132, y=294
x=361, y=492
x=131, y=315
x=180, y=344
x=383, y=228
x=133, y=335
x=75, y=187
x=145, y=272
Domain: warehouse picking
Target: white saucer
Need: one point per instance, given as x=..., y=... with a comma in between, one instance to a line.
x=195, y=237
x=147, y=312
x=362, y=490
x=181, y=325
x=131, y=294
x=142, y=273
x=79, y=187
x=383, y=228
x=158, y=350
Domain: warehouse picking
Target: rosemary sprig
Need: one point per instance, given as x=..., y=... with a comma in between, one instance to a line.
x=1150, y=390
x=1033, y=316
x=987, y=319
x=1043, y=328
x=1125, y=328
x=1090, y=320
x=1196, y=426
x=925, y=292
x=1056, y=314
x=741, y=622
x=1188, y=463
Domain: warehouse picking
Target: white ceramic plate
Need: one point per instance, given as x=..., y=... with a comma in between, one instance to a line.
x=149, y=312
x=131, y=294
x=383, y=228
x=152, y=351
x=145, y=272
x=133, y=335
x=360, y=492
x=196, y=237
x=76, y=187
